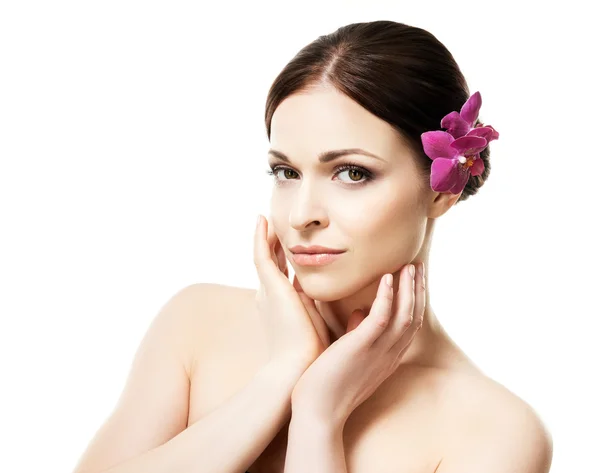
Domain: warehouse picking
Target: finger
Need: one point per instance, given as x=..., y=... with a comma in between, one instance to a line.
x=326, y=316
x=403, y=317
x=296, y=284
x=355, y=320
x=316, y=318
x=418, y=314
x=272, y=239
x=420, y=296
x=379, y=317
x=265, y=265
x=281, y=260
x=331, y=320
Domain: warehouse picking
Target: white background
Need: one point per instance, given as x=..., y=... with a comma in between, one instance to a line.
x=133, y=158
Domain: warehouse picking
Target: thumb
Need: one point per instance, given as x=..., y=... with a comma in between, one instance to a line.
x=355, y=319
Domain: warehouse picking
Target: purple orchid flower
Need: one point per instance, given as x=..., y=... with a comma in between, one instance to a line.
x=454, y=160
x=461, y=124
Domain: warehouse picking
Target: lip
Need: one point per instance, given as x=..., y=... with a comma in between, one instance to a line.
x=315, y=249
x=315, y=259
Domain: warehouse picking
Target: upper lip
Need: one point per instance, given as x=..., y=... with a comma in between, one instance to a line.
x=313, y=249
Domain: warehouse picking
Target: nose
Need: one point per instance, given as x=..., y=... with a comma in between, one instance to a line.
x=307, y=209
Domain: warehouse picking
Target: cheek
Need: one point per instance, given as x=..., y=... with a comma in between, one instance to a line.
x=275, y=219
x=278, y=209
x=389, y=232
x=387, y=216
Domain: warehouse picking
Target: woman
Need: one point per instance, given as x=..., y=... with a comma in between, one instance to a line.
x=346, y=368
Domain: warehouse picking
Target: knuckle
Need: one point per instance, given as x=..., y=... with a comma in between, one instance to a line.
x=408, y=321
x=382, y=322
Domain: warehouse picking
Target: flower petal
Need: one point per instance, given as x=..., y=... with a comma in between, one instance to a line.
x=461, y=180
x=444, y=174
x=477, y=167
x=468, y=145
x=436, y=144
x=494, y=136
x=486, y=132
x=455, y=125
x=482, y=131
x=470, y=110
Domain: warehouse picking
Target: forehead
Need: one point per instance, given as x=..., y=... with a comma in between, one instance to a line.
x=319, y=119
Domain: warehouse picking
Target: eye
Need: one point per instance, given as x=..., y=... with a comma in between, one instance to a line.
x=288, y=173
x=354, y=173
x=357, y=174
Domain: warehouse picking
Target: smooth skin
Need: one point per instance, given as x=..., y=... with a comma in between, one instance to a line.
x=295, y=335
x=356, y=364
x=344, y=374
x=211, y=386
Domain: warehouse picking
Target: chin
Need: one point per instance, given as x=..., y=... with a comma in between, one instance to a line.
x=325, y=287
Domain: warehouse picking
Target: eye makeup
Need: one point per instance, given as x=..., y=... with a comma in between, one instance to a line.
x=347, y=166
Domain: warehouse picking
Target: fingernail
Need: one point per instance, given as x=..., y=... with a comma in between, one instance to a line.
x=257, y=220
x=411, y=270
x=389, y=280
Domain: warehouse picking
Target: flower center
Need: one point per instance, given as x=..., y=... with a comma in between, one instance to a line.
x=467, y=161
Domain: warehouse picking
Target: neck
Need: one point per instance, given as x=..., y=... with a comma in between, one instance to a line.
x=430, y=344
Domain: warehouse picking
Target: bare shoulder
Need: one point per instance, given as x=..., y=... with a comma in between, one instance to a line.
x=157, y=398
x=210, y=311
x=221, y=305
x=208, y=301
x=490, y=428
x=195, y=316
x=225, y=344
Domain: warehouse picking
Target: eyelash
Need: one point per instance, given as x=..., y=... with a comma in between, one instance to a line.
x=367, y=175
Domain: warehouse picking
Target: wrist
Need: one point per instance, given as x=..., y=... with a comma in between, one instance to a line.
x=307, y=417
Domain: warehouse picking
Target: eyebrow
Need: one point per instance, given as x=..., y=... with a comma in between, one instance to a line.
x=328, y=156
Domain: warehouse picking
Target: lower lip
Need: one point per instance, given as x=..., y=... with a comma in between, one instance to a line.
x=317, y=259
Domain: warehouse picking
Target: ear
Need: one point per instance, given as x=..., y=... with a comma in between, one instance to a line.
x=441, y=202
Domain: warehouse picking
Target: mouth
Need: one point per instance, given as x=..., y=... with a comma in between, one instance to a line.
x=314, y=249
x=315, y=259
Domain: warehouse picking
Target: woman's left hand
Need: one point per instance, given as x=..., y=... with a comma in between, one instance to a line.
x=356, y=364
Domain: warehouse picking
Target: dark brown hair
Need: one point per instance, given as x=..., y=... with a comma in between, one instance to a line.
x=400, y=73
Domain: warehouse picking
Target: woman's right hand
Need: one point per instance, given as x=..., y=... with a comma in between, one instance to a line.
x=296, y=332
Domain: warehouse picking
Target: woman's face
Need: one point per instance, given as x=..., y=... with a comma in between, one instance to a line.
x=376, y=213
